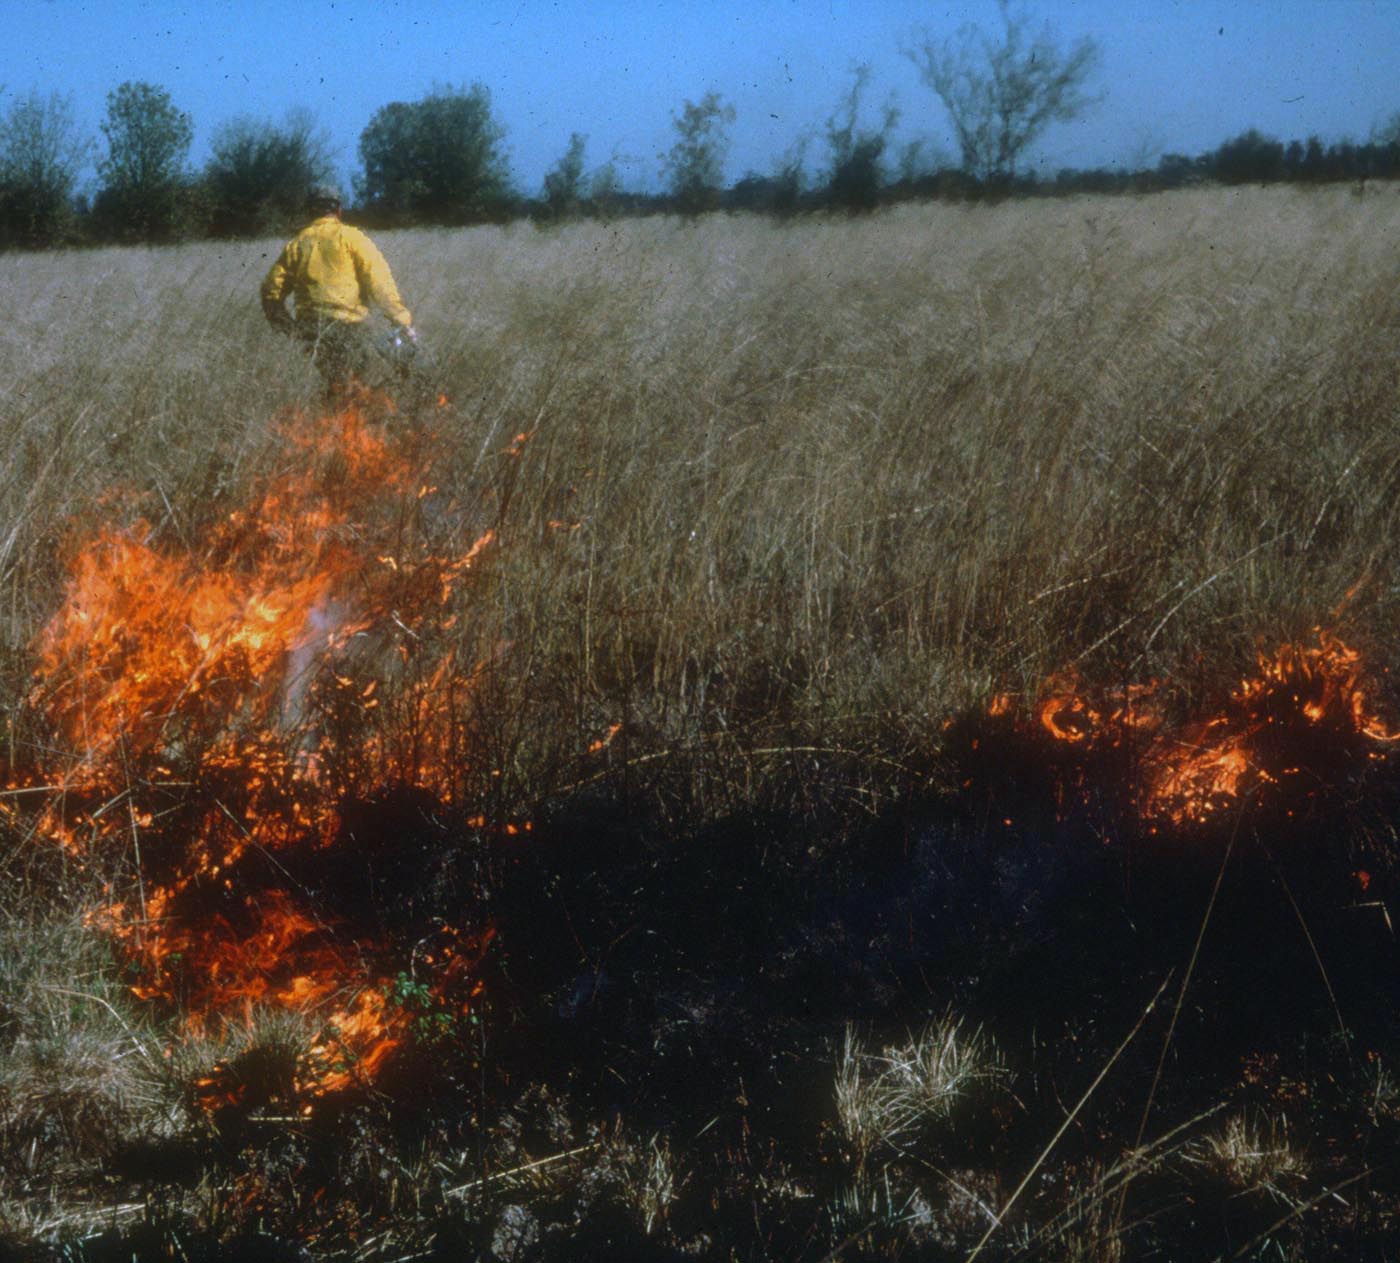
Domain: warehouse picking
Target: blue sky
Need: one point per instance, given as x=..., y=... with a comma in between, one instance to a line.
x=1176, y=74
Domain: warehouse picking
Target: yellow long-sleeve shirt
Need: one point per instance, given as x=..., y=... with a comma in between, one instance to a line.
x=332, y=270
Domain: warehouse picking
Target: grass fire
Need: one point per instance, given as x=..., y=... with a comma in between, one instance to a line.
x=210, y=708
x=1300, y=726
x=849, y=739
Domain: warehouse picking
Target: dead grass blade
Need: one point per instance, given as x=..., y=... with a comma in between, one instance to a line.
x=1069, y=1119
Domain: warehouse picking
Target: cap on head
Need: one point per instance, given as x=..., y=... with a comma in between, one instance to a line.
x=323, y=197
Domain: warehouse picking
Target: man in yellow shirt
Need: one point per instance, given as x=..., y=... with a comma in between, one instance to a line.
x=333, y=272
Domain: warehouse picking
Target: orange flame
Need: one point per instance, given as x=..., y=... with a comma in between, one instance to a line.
x=603, y=742
x=1190, y=772
x=210, y=705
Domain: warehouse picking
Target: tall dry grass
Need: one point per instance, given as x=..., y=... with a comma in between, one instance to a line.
x=834, y=469
x=791, y=487
x=793, y=495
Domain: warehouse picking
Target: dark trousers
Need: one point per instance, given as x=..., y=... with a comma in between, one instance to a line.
x=342, y=351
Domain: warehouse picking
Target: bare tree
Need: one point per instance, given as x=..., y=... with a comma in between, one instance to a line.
x=857, y=168
x=1003, y=92
x=790, y=177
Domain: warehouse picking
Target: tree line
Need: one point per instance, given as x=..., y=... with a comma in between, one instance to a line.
x=441, y=159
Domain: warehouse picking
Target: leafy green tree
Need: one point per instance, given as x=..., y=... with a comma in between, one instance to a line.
x=1248, y=158
x=857, y=168
x=439, y=160
x=1002, y=92
x=563, y=186
x=145, y=192
x=1314, y=164
x=694, y=167
x=1176, y=169
x=41, y=153
x=258, y=173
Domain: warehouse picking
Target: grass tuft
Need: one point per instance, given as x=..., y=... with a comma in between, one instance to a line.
x=888, y=1100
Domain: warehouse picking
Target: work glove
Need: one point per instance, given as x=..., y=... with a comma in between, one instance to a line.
x=401, y=346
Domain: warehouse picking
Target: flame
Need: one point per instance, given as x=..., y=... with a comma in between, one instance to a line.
x=1302, y=700
x=210, y=706
x=603, y=742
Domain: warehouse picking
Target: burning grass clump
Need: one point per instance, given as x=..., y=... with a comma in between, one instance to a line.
x=230, y=714
x=1296, y=738
x=249, y=1065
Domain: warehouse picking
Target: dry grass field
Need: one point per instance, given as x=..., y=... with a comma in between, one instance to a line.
x=890, y=465
x=777, y=514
